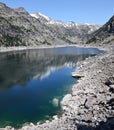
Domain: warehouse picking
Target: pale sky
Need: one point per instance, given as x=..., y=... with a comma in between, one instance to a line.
x=80, y=11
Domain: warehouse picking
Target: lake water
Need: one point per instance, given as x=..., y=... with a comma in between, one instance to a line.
x=33, y=82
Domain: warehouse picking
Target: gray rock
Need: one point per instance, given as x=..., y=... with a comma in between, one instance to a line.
x=90, y=101
x=66, y=99
x=105, y=34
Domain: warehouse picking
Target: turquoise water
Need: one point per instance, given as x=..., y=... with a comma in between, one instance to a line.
x=31, y=80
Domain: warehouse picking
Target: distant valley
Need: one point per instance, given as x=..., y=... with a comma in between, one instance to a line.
x=19, y=28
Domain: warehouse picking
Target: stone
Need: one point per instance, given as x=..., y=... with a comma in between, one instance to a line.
x=31, y=124
x=55, y=117
x=8, y=128
x=111, y=89
x=66, y=99
x=90, y=101
x=55, y=102
x=77, y=76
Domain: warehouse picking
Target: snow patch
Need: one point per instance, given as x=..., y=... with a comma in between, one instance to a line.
x=38, y=15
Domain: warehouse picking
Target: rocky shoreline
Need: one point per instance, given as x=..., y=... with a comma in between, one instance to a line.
x=90, y=105
x=20, y=48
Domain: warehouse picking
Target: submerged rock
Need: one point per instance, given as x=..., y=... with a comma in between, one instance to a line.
x=55, y=102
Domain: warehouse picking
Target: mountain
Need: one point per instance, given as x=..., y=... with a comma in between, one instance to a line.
x=41, y=17
x=19, y=28
x=71, y=31
x=105, y=34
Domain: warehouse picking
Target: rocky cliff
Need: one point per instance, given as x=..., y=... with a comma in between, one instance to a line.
x=71, y=31
x=19, y=28
x=105, y=34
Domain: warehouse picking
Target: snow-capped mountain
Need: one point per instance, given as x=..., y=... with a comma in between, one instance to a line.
x=58, y=22
x=71, y=31
x=18, y=27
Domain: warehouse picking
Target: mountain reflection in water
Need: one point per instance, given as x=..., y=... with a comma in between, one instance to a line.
x=19, y=67
x=31, y=80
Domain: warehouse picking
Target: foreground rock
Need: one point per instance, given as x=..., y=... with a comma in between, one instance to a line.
x=94, y=94
x=90, y=106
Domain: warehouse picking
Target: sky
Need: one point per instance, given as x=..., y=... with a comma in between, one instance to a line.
x=79, y=11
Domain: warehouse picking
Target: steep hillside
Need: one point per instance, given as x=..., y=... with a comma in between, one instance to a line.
x=19, y=28
x=105, y=34
x=70, y=31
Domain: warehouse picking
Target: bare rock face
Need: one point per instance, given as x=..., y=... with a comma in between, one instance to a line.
x=19, y=28
x=105, y=34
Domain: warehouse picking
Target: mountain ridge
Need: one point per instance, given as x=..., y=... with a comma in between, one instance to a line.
x=37, y=15
x=19, y=28
x=103, y=35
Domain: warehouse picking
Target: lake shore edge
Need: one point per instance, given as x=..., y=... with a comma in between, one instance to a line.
x=90, y=101
x=20, y=48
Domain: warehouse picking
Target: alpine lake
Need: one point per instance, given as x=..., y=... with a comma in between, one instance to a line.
x=33, y=82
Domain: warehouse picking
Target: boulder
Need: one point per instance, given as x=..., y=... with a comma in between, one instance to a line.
x=66, y=99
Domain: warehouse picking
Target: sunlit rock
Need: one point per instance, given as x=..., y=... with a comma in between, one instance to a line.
x=66, y=99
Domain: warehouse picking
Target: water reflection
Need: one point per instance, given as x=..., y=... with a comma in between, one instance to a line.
x=20, y=67
x=32, y=82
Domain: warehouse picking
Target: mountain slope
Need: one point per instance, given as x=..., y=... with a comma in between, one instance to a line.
x=105, y=34
x=71, y=31
x=19, y=28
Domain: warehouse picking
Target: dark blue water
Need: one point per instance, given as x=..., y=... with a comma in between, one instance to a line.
x=31, y=81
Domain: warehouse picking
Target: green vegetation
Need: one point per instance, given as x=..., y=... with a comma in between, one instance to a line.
x=46, y=42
